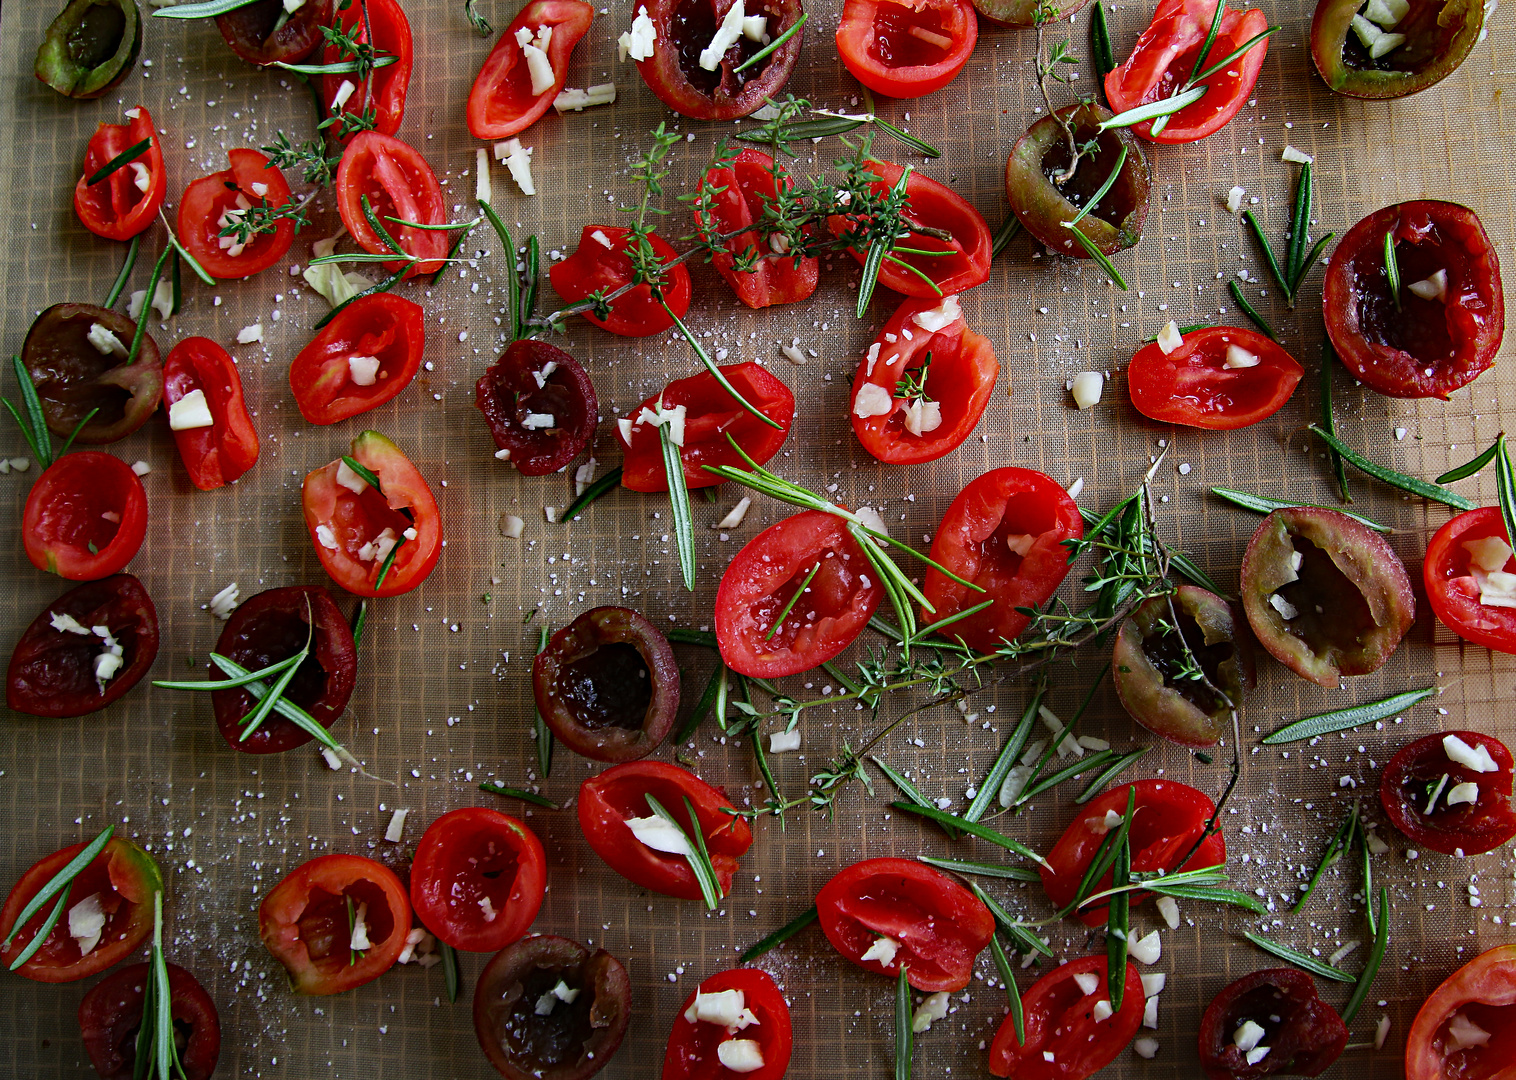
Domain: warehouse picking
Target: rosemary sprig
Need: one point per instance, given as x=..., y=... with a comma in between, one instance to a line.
x=207, y=10
x=58, y=886
x=353, y=955
x=1100, y=257
x=718, y=374
x=1298, y=259
x=1298, y=958
x=903, y=1033
x=1335, y=849
x=1112, y=770
x=156, y=1044
x=234, y=683
x=360, y=621
x=316, y=166
x=1153, y=110
x=780, y=936
x=764, y=53
x=1385, y=475
x=1104, y=59
x=1329, y=421
x=1118, y=920
x=1005, y=761
x=1002, y=965
x=911, y=791
x=1342, y=719
x=1241, y=300
x=543, y=735
x=1005, y=234
x=1100, y=193
x=450, y=979
x=517, y=793
x=1376, y=958
x=679, y=504
x=695, y=853
x=152, y=290
x=339, y=67
x=1469, y=468
x=973, y=828
x=1262, y=504
x=120, y=161
x=384, y=286
x=1392, y=268
x=284, y=707
x=365, y=474
x=1505, y=485
x=265, y=704
x=476, y=18
x=880, y=247
x=127, y=266
x=790, y=603
x=980, y=869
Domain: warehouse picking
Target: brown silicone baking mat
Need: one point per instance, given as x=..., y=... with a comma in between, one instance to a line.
x=444, y=701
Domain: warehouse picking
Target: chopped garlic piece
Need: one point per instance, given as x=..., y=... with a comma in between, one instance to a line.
x=1020, y=543
x=882, y=951
x=86, y=922
x=721, y=1007
x=397, y=826
x=575, y=100
x=67, y=624
x=584, y=476
x=225, y=602
x=1087, y=388
x=1381, y=1032
x=518, y=159
x=1014, y=784
x=735, y=515
x=1169, y=338
x=931, y=37
x=1147, y=949
x=357, y=939
x=1076, y=488
x=190, y=412
x=487, y=906
x=1101, y=1012
x=1489, y=553
x=740, y=1055
x=1145, y=1048
x=142, y=179
x=934, y=1008
x=872, y=400
x=1367, y=32
x=756, y=28
x=1168, y=907
x=795, y=356
x=249, y=334
x=1436, y=792
x=1466, y=792
x=1464, y=1033
x=1387, y=43
x=727, y=35
x=535, y=421
x=943, y=315
x=538, y=66
x=1088, y=982
x=1432, y=288
x=1234, y=199
x=1150, y=1013
x=106, y=343
x=334, y=763
x=781, y=741
x=141, y=468
x=660, y=835
x=1153, y=983
x=1112, y=820
x=347, y=478
x=1287, y=610
x=1257, y=1054
x=638, y=42
x=363, y=370
x=345, y=91
x=326, y=538
x=1249, y=1035
x=923, y=417
x=1237, y=358
x=511, y=526
x=1291, y=154
x=1475, y=757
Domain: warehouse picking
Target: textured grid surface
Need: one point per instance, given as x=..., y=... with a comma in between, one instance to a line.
x=444, y=700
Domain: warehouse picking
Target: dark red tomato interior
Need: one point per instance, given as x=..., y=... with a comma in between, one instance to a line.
x=1168, y=822
x=906, y=51
x=477, y=879
x=739, y=194
x=1483, y=993
x=1451, y=587
x=264, y=33
x=214, y=456
x=694, y=1044
x=210, y=202
x=502, y=104
x=1415, y=774
x=1005, y=533
x=939, y=927
x=273, y=626
x=1194, y=386
x=711, y=414
x=535, y=379
x=600, y=262
x=1064, y=1041
x=382, y=327
x=86, y=517
x=117, y=208
x=52, y=671
x=1303, y=1033
x=398, y=183
x=74, y=379
x=381, y=23
x=110, y=1017
x=765, y=576
x=676, y=77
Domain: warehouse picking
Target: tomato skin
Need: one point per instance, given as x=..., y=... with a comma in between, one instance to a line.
x=1473, y=828
x=1193, y=386
x=73, y=378
x=208, y=198
x=1168, y=821
x=1304, y=1034
x=399, y=183
x=971, y=541
x=674, y=75
x=52, y=672
x=64, y=516
x=1058, y=1015
x=1392, y=349
x=356, y=519
x=1165, y=55
x=843, y=596
x=1452, y=590
x=1484, y=990
x=501, y=103
x=960, y=380
x=249, y=31
x=877, y=46
x=213, y=456
x=940, y=207
x=384, y=91
x=111, y=1014
x=116, y=208
x=593, y=266
x=939, y=925
x=692, y=1044
x=123, y=874
x=384, y=326
x=607, y=801
x=464, y=857
x=1441, y=38
x=739, y=193
x=509, y=391
x=711, y=414
x=303, y=922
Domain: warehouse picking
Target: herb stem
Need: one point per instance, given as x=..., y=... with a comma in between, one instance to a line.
x=1251, y=312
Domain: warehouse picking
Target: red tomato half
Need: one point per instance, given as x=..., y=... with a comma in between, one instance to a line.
x=1449, y=572
x=477, y=879
x=906, y=50
x=399, y=184
x=382, y=327
x=85, y=518
x=1201, y=385
x=694, y=1043
x=927, y=346
x=608, y=801
x=123, y=877
x=305, y=923
x=125, y=202
x=502, y=104
x=207, y=202
x=937, y=925
x=966, y=259
x=1170, y=817
x=739, y=194
x=600, y=263
x=764, y=577
x=214, y=456
x=1420, y=780
x=111, y=1015
x=379, y=101
x=1064, y=1041
x=1483, y=993
x=710, y=415
x=349, y=527
x=1005, y=533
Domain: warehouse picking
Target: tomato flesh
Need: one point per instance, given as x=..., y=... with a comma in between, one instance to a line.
x=739, y=194
x=693, y=1044
x=1452, y=589
x=1483, y=993
x=477, y=879
x=533, y=378
x=73, y=377
x=1194, y=386
x=1064, y=1041
x=116, y=207
x=110, y=1017
x=685, y=28
x=217, y=455
x=906, y=50
x=501, y=103
x=1439, y=37
x=379, y=99
x=601, y=263
x=85, y=518
x=1303, y=1033
x=382, y=327
x=398, y=183
x=263, y=32
x=213, y=200
x=1409, y=790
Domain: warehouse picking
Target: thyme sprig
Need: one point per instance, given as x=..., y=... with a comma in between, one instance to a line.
x=310, y=157
x=263, y=218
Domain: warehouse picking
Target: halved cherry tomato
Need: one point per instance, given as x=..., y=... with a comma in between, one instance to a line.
x=535, y=379
x=110, y=1016
x=502, y=103
x=377, y=102
x=1026, y=12
x=1419, y=347
x=1422, y=781
x=1169, y=820
x=477, y=879
x=906, y=50
x=272, y=626
x=266, y=32
x=685, y=28
x=1439, y=36
x=1164, y=58
x=1220, y=378
x=694, y=1044
x=1064, y=1040
x=211, y=202
x=711, y=414
x=600, y=263
x=214, y=456
x=836, y=605
x=608, y=801
x=1453, y=587
x=125, y=202
x=53, y=671
x=85, y=517
x=937, y=926
x=1303, y=1033
x=122, y=878
x=73, y=377
x=963, y=262
x=354, y=530
x=1005, y=533
x=399, y=184
x=924, y=383
x=740, y=192
x=1480, y=999
x=382, y=327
